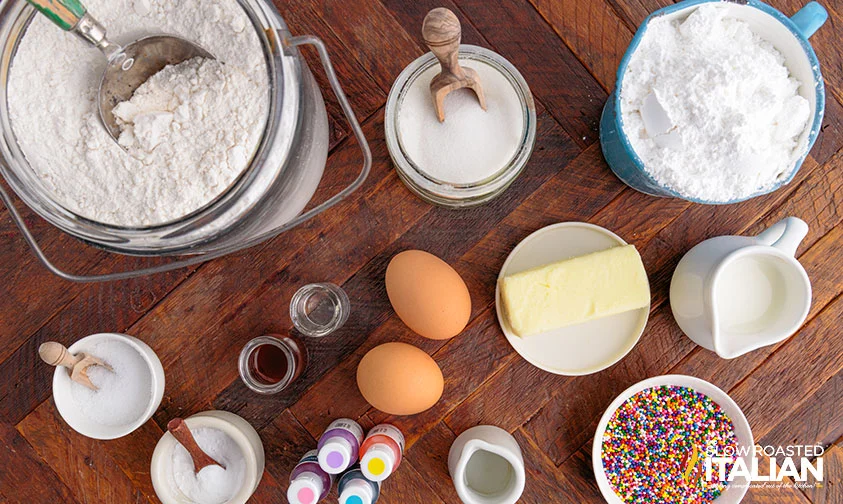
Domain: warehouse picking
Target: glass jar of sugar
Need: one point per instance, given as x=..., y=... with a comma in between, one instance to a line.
x=474, y=155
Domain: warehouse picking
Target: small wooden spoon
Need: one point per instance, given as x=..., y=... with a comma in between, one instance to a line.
x=442, y=34
x=56, y=354
x=179, y=429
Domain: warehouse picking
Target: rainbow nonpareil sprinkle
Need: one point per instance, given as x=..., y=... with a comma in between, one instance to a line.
x=655, y=445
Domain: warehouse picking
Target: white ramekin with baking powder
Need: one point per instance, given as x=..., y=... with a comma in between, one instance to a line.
x=238, y=429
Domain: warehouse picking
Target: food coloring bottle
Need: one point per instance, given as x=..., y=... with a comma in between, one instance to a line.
x=381, y=452
x=309, y=484
x=339, y=446
x=354, y=488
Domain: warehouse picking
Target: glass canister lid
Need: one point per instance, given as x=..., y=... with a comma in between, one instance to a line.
x=474, y=154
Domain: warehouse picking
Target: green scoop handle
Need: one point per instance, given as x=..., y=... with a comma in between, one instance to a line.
x=72, y=16
x=64, y=13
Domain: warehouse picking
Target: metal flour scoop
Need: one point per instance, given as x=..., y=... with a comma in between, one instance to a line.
x=128, y=66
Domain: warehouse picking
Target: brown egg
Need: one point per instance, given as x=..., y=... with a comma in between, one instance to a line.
x=428, y=294
x=399, y=379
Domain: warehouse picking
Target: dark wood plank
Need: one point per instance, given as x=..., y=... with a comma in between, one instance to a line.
x=371, y=36
x=555, y=76
x=635, y=11
x=24, y=477
x=817, y=421
x=545, y=483
x=365, y=94
x=593, y=31
x=830, y=139
x=81, y=463
x=831, y=492
x=407, y=485
x=270, y=491
x=284, y=443
x=429, y=457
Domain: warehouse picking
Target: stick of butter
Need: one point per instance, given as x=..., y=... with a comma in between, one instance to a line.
x=575, y=290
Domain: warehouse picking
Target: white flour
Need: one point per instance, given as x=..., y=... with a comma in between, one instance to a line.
x=197, y=125
x=730, y=115
x=213, y=484
x=472, y=144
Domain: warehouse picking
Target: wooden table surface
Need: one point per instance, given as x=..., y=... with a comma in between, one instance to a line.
x=198, y=319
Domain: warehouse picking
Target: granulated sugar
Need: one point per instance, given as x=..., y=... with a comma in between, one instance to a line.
x=196, y=128
x=123, y=394
x=213, y=484
x=472, y=144
x=724, y=114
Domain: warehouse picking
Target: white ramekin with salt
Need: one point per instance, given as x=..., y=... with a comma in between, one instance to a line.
x=126, y=397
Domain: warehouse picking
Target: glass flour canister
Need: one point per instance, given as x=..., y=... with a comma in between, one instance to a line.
x=459, y=167
x=265, y=200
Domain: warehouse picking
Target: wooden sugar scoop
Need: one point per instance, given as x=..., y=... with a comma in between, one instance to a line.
x=442, y=34
x=179, y=429
x=56, y=354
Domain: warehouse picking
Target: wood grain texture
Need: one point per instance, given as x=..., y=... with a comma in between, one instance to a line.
x=24, y=476
x=83, y=464
x=522, y=36
x=832, y=491
x=568, y=52
x=593, y=32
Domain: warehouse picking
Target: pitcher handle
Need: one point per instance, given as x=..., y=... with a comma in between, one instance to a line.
x=785, y=235
x=810, y=18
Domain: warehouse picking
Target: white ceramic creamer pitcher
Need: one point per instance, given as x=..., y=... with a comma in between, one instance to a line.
x=734, y=294
x=487, y=467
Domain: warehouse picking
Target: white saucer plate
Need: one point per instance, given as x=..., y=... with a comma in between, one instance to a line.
x=578, y=349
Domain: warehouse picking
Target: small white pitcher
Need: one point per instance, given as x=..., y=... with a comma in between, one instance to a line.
x=734, y=294
x=487, y=467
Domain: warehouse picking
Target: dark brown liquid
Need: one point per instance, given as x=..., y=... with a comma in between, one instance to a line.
x=268, y=364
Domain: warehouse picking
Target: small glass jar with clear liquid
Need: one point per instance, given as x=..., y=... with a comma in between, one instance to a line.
x=319, y=309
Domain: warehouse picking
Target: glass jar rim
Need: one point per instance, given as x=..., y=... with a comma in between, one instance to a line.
x=445, y=193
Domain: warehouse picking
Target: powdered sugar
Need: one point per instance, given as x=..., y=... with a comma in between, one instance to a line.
x=213, y=484
x=194, y=128
x=732, y=104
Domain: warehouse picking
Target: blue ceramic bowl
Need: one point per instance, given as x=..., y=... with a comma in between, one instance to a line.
x=788, y=35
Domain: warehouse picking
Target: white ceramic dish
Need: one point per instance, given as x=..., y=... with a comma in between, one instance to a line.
x=235, y=427
x=68, y=408
x=583, y=348
x=735, y=491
